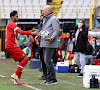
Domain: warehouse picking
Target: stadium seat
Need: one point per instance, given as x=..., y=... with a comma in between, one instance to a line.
x=70, y=9
x=19, y=15
x=60, y=10
x=23, y=9
x=79, y=2
x=91, y=3
x=35, y=2
x=83, y=9
x=21, y=2
x=86, y=3
x=14, y=3
x=28, y=2
x=29, y=9
x=66, y=15
x=7, y=16
x=74, y=10
x=37, y=15
x=30, y=15
x=88, y=10
x=6, y=2
x=73, y=15
x=64, y=9
x=2, y=15
x=66, y=2
x=1, y=2
x=24, y=15
x=15, y=8
x=72, y=3
x=36, y=9
x=87, y=16
x=7, y=9
x=59, y=15
x=79, y=9
x=43, y=3
x=80, y=15
x=2, y=9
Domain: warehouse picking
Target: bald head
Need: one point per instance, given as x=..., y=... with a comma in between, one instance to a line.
x=47, y=10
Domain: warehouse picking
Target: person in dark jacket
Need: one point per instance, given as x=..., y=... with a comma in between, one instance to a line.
x=44, y=76
x=97, y=49
x=80, y=44
x=89, y=55
x=96, y=53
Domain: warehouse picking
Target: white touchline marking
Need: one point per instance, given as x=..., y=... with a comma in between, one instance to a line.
x=28, y=86
x=31, y=87
x=3, y=76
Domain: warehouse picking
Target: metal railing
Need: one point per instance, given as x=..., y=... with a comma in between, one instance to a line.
x=2, y=40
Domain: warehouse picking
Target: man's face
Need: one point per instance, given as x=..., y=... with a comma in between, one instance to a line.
x=16, y=18
x=45, y=12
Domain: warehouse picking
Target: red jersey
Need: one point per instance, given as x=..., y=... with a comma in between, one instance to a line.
x=11, y=30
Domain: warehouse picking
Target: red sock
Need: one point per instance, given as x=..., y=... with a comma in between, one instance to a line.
x=19, y=75
x=20, y=67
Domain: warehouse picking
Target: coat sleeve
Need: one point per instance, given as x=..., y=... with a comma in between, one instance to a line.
x=56, y=26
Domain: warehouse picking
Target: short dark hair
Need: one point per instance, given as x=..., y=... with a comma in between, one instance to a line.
x=82, y=20
x=13, y=13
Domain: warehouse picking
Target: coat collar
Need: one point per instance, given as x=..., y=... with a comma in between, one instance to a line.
x=48, y=16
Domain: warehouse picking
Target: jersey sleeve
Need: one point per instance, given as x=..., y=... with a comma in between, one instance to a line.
x=17, y=29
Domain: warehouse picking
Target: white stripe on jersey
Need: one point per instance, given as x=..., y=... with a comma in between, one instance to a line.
x=16, y=29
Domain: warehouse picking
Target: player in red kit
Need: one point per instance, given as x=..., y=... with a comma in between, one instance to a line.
x=11, y=47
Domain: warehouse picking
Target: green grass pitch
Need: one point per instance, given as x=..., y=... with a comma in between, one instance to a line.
x=66, y=81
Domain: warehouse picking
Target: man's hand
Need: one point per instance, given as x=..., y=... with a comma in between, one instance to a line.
x=73, y=39
x=34, y=30
x=34, y=33
x=47, y=39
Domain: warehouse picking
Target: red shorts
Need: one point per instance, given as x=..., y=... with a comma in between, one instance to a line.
x=16, y=53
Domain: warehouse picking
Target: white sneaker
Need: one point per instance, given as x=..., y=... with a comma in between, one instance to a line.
x=14, y=75
x=16, y=83
x=15, y=78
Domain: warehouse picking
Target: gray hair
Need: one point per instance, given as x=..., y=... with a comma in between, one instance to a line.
x=49, y=8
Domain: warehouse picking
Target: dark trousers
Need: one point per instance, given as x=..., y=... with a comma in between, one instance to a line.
x=43, y=63
x=48, y=54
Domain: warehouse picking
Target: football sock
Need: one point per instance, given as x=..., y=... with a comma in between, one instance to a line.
x=20, y=67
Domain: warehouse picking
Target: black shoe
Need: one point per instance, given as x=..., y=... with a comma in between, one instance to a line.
x=43, y=78
x=44, y=82
x=80, y=75
x=51, y=82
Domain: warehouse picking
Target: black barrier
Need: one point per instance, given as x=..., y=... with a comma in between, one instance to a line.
x=68, y=27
